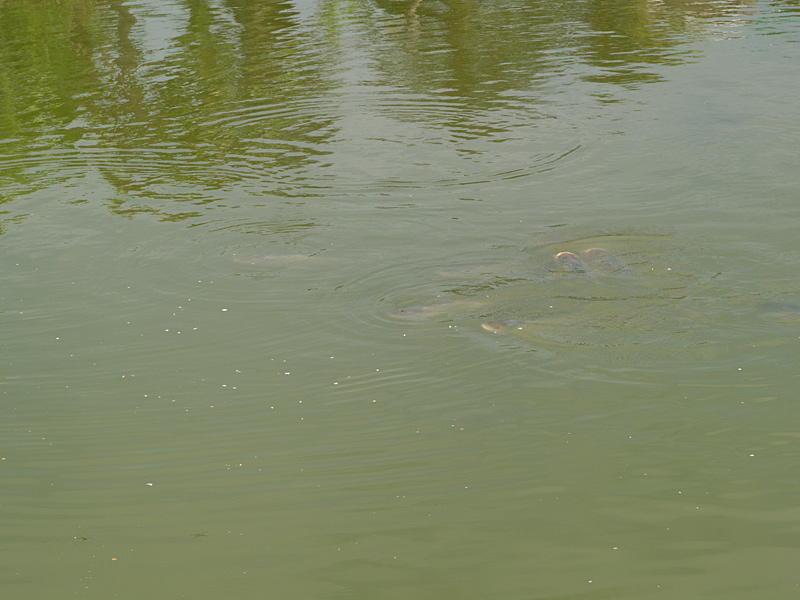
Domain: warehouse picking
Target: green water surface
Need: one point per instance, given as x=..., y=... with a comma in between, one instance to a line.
x=212, y=213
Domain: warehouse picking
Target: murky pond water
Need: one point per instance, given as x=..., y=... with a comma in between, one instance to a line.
x=399, y=299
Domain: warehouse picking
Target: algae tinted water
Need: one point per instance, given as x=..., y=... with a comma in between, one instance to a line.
x=212, y=210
